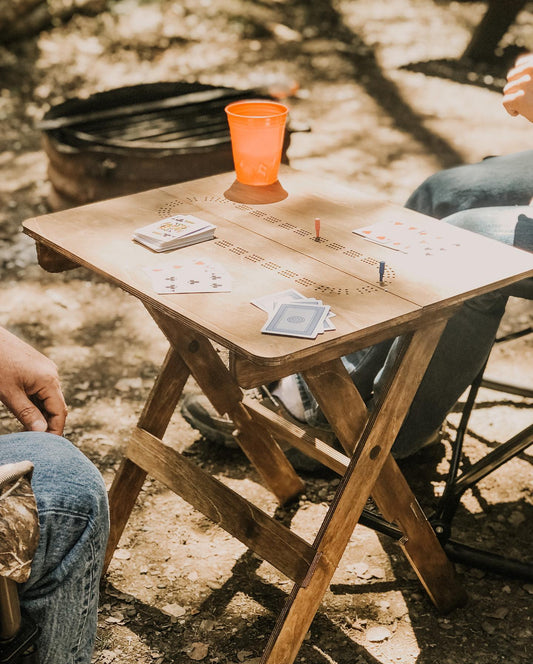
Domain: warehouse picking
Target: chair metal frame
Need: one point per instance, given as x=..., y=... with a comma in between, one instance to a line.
x=459, y=481
x=18, y=632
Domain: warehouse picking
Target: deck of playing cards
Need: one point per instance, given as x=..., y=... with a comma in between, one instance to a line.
x=174, y=232
x=292, y=314
x=191, y=275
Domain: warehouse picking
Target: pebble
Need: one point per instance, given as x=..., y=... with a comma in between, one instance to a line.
x=122, y=554
x=378, y=634
x=487, y=627
x=175, y=610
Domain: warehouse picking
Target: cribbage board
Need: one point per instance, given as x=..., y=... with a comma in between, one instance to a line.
x=265, y=238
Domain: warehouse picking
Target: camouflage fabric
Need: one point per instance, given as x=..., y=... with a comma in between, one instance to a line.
x=19, y=525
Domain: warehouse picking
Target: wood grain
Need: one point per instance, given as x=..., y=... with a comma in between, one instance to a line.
x=129, y=478
x=226, y=396
x=350, y=498
x=268, y=246
x=270, y=539
x=265, y=239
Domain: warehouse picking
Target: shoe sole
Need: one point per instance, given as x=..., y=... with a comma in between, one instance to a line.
x=299, y=461
x=209, y=433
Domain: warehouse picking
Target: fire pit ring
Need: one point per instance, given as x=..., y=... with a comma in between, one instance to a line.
x=135, y=138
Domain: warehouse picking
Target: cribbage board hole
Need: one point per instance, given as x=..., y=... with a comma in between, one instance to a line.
x=174, y=206
x=304, y=281
x=328, y=290
x=223, y=243
x=177, y=205
x=271, y=266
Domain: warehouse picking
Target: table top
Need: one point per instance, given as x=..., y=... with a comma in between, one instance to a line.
x=265, y=238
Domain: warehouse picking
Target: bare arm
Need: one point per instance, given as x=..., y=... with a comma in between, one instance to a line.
x=518, y=93
x=27, y=377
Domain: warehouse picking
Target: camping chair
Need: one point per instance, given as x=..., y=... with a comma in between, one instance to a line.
x=19, y=535
x=458, y=481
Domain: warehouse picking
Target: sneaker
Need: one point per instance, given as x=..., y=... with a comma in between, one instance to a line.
x=198, y=411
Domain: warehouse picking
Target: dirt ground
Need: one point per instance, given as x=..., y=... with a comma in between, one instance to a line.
x=388, y=104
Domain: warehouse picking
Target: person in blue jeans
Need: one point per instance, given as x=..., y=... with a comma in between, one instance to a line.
x=490, y=198
x=61, y=594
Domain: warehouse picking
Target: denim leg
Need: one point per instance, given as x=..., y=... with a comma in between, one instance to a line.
x=496, y=181
x=503, y=182
x=462, y=350
x=469, y=334
x=363, y=365
x=62, y=591
x=511, y=225
x=460, y=354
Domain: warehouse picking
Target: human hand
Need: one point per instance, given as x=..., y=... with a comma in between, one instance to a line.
x=28, y=378
x=518, y=93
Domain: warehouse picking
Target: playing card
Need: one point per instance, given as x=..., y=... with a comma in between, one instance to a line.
x=406, y=237
x=270, y=302
x=190, y=276
x=328, y=325
x=297, y=319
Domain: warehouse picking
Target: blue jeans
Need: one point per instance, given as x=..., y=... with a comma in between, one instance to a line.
x=476, y=197
x=62, y=592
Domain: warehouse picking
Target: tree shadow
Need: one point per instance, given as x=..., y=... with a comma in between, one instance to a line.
x=489, y=75
x=327, y=20
x=328, y=641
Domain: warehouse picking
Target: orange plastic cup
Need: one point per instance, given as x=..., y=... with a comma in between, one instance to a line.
x=257, y=128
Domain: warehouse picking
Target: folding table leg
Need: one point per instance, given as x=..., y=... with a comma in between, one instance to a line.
x=419, y=543
x=155, y=417
x=369, y=456
x=221, y=388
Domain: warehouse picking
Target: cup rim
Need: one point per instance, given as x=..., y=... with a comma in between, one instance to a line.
x=283, y=109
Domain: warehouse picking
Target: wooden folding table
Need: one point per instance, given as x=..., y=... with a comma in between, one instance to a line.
x=266, y=240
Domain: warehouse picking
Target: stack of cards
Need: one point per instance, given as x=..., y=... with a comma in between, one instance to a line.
x=174, y=232
x=192, y=275
x=292, y=314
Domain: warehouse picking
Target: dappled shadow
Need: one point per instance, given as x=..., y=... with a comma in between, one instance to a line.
x=328, y=641
x=370, y=75
x=490, y=75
